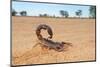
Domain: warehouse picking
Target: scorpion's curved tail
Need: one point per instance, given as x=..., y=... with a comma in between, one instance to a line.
x=45, y=27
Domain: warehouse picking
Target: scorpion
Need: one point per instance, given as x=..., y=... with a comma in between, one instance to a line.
x=47, y=42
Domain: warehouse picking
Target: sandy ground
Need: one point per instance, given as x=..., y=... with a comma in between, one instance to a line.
x=79, y=32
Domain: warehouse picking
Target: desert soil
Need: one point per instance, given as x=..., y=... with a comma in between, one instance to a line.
x=79, y=32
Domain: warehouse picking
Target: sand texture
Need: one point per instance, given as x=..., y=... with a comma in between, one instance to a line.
x=79, y=32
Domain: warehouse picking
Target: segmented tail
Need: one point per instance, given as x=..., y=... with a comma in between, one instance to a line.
x=45, y=27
